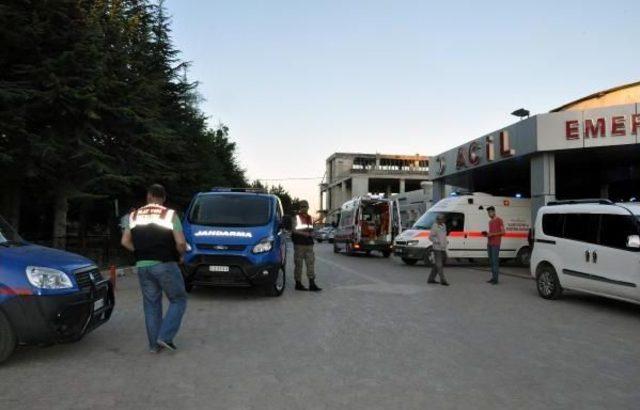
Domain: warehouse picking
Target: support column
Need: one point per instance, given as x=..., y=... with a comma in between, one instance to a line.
x=543, y=181
x=438, y=190
x=402, y=185
x=343, y=192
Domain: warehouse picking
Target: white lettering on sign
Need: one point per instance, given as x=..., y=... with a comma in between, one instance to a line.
x=231, y=234
x=592, y=128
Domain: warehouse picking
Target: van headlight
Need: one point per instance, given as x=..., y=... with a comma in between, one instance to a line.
x=412, y=243
x=47, y=278
x=265, y=245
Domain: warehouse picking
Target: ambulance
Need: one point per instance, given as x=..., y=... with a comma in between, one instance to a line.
x=466, y=221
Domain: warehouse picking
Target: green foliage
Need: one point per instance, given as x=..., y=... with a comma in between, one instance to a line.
x=95, y=103
x=290, y=205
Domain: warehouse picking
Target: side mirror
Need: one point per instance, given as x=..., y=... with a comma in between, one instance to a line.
x=633, y=241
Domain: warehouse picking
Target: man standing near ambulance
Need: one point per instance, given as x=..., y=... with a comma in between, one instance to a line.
x=494, y=239
x=154, y=235
x=302, y=238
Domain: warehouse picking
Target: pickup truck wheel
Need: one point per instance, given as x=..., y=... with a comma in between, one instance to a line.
x=277, y=287
x=409, y=262
x=547, y=282
x=429, y=257
x=8, y=339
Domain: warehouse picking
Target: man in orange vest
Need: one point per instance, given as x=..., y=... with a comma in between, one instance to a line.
x=302, y=238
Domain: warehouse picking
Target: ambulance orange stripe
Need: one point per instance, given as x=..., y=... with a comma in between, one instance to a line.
x=475, y=234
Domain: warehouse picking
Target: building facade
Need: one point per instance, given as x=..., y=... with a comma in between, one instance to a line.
x=354, y=174
x=585, y=149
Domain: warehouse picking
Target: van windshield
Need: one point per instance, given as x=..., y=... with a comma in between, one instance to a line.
x=231, y=210
x=453, y=220
x=8, y=236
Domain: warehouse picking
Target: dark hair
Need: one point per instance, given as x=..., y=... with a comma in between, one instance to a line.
x=491, y=208
x=157, y=191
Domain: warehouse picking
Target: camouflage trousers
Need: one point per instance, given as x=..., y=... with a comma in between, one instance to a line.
x=303, y=254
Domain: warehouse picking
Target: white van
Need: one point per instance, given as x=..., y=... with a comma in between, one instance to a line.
x=466, y=218
x=587, y=245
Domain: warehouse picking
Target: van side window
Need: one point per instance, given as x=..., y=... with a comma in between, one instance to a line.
x=552, y=224
x=454, y=222
x=615, y=229
x=581, y=227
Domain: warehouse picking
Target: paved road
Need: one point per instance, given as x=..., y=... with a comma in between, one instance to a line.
x=377, y=338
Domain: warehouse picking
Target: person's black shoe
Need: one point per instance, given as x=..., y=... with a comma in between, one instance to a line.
x=313, y=287
x=432, y=281
x=300, y=286
x=493, y=282
x=444, y=283
x=167, y=345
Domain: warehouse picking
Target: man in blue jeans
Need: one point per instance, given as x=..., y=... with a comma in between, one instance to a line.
x=494, y=239
x=154, y=234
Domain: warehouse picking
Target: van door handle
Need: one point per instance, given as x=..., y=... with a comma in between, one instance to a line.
x=595, y=257
x=587, y=255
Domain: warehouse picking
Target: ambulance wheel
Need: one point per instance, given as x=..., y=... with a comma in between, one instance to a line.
x=277, y=287
x=429, y=257
x=8, y=339
x=409, y=262
x=547, y=282
x=523, y=258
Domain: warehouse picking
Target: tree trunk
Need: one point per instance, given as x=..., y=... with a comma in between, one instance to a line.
x=60, y=210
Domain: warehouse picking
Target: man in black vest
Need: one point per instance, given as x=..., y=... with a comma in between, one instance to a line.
x=154, y=234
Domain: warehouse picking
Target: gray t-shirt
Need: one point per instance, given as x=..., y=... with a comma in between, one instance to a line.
x=438, y=237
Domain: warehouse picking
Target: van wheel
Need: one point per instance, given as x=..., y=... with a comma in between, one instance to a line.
x=277, y=287
x=409, y=262
x=523, y=258
x=429, y=257
x=548, y=283
x=8, y=339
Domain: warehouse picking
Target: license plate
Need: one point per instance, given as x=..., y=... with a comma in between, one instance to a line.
x=218, y=268
x=98, y=304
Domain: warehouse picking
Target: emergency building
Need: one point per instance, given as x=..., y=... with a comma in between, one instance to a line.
x=349, y=175
x=584, y=149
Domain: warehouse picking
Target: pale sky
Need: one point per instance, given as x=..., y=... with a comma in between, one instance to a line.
x=298, y=80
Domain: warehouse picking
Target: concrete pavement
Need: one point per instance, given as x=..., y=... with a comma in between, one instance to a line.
x=377, y=337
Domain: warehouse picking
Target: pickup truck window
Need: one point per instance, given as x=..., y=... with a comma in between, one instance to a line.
x=8, y=236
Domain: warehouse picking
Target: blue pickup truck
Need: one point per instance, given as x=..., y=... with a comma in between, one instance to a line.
x=235, y=237
x=47, y=295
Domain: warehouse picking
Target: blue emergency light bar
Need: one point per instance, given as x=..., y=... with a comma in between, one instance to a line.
x=246, y=190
